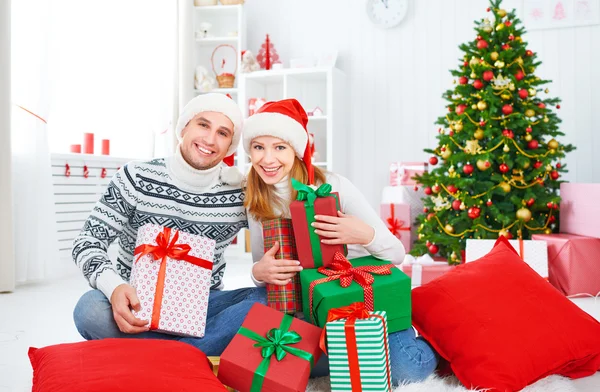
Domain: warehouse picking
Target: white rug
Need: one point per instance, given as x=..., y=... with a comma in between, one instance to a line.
x=451, y=384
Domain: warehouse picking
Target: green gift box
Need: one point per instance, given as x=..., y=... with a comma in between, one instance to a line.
x=390, y=292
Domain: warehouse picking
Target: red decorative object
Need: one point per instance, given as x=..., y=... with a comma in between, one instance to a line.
x=507, y=109
x=474, y=212
x=88, y=143
x=67, y=170
x=433, y=160
x=488, y=75
x=105, y=147
x=425, y=210
x=468, y=169
x=267, y=55
x=482, y=44
x=76, y=148
x=558, y=106
x=489, y=203
x=103, y=173
x=463, y=80
x=558, y=165
x=456, y=205
x=523, y=94
x=478, y=84
x=435, y=188
x=431, y=215
x=508, y=23
x=554, y=175
x=550, y=205
x=451, y=188
x=460, y=109
x=528, y=53
x=530, y=202
x=528, y=130
x=519, y=75
x=427, y=191
x=506, y=46
x=433, y=249
x=466, y=64
x=482, y=123
x=532, y=145
x=86, y=172
x=508, y=133
x=511, y=37
x=503, y=168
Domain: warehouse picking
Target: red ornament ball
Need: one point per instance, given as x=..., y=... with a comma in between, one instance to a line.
x=503, y=168
x=530, y=202
x=479, y=37
x=507, y=109
x=482, y=123
x=451, y=133
x=528, y=53
x=489, y=203
x=528, y=130
x=460, y=109
x=508, y=133
x=427, y=191
x=550, y=205
x=433, y=161
x=468, y=169
x=558, y=165
x=482, y=44
x=431, y=215
x=456, y=205
x=451, y=188
x=474, y=212
x=428, y=243
x=466, y=64
x=519, y=75
x=523, y=94
x=488, y=9
x=478, y=84
x=433, y=249
x=508, y=23
x=436, y=188
x=552, y=219
x=554, y=175
x=537, y=165
x=558, y=106
x=488, y=75
x=506, y=46
x=510, y=37
x=463, y=80
x=541, y=105
x=425, y=210
x=532, y=145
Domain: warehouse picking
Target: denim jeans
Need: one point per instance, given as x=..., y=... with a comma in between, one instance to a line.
x=226, y=311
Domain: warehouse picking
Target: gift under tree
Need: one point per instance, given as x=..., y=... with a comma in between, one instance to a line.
x=496, y=168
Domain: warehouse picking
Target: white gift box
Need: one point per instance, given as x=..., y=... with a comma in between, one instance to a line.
x=535, y=253
x=186, y=286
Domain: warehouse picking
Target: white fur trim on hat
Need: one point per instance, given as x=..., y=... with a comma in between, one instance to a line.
x=231, y=175
x=213, y=102
x=277, y=125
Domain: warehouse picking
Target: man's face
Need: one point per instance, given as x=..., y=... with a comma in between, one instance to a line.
x=206, y=139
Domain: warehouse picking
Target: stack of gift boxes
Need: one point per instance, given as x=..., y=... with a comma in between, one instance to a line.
x=346, y=308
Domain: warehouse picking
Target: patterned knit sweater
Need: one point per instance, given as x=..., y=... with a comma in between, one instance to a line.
x=167, y=192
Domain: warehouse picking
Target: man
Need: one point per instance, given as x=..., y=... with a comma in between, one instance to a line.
x=193, y=191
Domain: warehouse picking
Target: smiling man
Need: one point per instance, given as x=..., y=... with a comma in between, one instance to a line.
x=193, y=191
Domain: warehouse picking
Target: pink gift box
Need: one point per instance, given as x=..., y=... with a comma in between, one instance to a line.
x=402, y=173
x=579, y=209
x=573, y=262
x=184, y=274
x=396, y=217
x=423, y=274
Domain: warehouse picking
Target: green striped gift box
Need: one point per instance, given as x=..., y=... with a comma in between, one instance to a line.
x=372, y=347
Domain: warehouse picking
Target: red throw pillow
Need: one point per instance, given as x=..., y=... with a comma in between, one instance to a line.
x=501, y=326
x=122, y=365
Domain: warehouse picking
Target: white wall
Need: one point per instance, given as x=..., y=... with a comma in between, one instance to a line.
x=396, y=77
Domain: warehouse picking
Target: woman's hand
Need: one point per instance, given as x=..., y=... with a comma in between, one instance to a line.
x=343, y=229
x=275, y=271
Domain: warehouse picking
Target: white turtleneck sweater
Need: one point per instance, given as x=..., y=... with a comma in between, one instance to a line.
x=384, y=245
x=167, y=192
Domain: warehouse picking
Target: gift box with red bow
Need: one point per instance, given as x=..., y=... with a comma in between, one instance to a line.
x=403, y=173
x=171, y=274
x=272, y=352
x=310, y=202
x=377, y=283
x=358, y=349
x=397, y=219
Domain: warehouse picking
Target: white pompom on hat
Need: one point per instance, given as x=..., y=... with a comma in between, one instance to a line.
x=213, y=102
x=286, y=120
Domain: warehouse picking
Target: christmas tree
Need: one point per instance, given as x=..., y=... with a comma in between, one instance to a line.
x=267, y=55
x=499, y=160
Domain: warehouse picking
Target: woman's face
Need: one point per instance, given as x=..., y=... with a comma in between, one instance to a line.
x=271, y=158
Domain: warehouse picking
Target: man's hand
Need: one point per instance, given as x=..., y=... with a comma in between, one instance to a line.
x=123, y=300
x=275, y=271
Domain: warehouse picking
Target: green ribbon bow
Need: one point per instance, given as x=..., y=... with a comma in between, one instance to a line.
x=276, y=342
x=309, y=194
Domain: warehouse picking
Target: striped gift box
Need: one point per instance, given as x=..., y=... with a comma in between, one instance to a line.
x=286, y=298
x=373, y=354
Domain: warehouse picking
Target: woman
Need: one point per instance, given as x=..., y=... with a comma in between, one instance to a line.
x=277, y=142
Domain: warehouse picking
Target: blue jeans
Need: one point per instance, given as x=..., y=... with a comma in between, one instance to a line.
x=226, y=311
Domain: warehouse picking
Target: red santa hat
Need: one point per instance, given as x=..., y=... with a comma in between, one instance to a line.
x=286, y=120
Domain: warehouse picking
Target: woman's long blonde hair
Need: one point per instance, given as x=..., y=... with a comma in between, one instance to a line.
x=261, y=199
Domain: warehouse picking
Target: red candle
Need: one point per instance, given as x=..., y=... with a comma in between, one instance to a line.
x=88, y=143
x=105, y=147
x=76, y=148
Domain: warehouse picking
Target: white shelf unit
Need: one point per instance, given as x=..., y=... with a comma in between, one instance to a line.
x=312, y=87
x=228, y=27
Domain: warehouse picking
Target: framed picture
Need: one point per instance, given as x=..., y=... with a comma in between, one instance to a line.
x=552, y=14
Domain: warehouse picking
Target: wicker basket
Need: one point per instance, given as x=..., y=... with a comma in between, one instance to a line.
x=202, y=3
x=226, y=80
x=232, y=2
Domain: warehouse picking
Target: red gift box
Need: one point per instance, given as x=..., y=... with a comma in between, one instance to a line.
x=244, y=358
x=573, y=262
x=397, y=219
x=312, y=253
x=579, y=209
x=285, y=298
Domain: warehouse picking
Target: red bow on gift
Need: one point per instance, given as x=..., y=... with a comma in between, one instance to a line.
x=351, y=313
x=395, y=225
x=341, y=269
x=162, y=250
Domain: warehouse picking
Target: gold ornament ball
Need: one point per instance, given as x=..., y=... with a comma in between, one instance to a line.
x=519, y=39
x=552, y=151
x=499, y=64
x=524, y=214
x=548, y=231
x=546, y=91
x=494, y=56
x=519, y=60
x=506, y=148
x=463, y=206
x=548, y=168
x=483, y=165
x=503, y=233
x=473, y=75
x=478, y=134
x=449, y=228
x=528, y=137
x=511, y=87
x=446, y=153
x=505, y=96
x=421, y=236
x=526, y=164
x=500, y=27
x=546, y=119
x=458, y=127
x=505, y=187
x=501, y=13
x=529, y=112
x=474, y=61
x=453, y=256
x=532, y=92
x=553, y=144
x=481, y=105
x=474, y=107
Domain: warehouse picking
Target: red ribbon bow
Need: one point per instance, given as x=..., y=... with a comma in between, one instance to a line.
x=341, y=269
x=162, y=250
x=395, y=225
x=351, y=313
